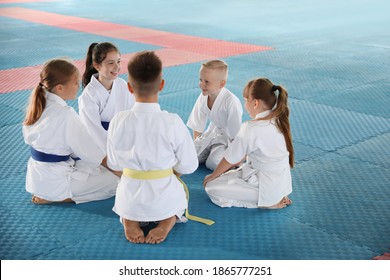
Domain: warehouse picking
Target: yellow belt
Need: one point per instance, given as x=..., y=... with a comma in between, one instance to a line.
x=159, y=174
x=147, y=175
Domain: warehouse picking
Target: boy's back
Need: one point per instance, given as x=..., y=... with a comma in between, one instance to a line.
x=151, y=147
x=147, y=138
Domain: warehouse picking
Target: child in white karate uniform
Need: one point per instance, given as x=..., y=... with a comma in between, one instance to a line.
x=151, y=146
x=217, y=104
x=55, y=135
x=104, y=94
x=264, y=180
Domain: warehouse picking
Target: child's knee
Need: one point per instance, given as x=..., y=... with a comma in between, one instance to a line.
x=211, y=163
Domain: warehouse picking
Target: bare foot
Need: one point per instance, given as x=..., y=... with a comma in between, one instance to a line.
x=159, y=233
x=281, y=204
x=385, y=256
x=38, y=200
x=133, y=231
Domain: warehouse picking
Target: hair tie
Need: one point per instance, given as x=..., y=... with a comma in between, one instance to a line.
x=41, y=85
x=274, y=88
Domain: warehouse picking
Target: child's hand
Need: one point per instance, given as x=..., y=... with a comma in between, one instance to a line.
x=118, y=173
x=197, y=134
x=176, y=173
x=207, y=179
x=222, y=167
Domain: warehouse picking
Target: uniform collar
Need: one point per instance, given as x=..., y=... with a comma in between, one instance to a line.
x=146, y=107
x=96, y=83
x=218, y=100
x=263, y=114
x=55, y=98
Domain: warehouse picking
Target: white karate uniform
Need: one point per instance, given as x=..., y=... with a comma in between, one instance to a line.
x=146, y=138
x=97, y=104
x=59, y=131
x=225, y=120
x=265, y=178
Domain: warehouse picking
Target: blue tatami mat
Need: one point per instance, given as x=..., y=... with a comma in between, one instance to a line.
x=332, y=56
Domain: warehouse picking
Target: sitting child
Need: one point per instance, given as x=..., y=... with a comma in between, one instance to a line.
x=151, y=146
x=264, y=180
x=105, y=93
x=55, y=133
x=217, y=104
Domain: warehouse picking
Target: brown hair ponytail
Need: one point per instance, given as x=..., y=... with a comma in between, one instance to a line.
x=89, y=69
x=36, y=106
x=281, y=114
x=264, y=89
x=54, y=72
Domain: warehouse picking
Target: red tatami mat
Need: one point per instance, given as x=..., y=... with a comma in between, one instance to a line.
x=141, y=35
x=177, y=48
x=27, y=77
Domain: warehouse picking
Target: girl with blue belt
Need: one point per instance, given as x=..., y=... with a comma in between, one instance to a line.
x=56, y=136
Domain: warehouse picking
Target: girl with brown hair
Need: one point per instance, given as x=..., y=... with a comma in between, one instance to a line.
x=56, y=137
x=265, y=144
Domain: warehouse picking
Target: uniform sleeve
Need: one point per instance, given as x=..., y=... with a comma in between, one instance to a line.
x=187, y=160
x=112, y=157
x=238, y=149
x=197, y=120
x=234, y=119
x=80, y=141
x=90, y=117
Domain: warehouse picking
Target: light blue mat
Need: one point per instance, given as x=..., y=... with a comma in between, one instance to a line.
x=336, y=66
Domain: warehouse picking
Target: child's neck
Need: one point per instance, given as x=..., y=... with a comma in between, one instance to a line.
x=146, y=99
x=211, y=99
x=106, y=82
x=62, y=95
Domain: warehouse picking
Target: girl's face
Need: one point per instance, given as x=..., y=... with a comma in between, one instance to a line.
x=253, y=106
x=249, y=103
x=210, y=81
x=71, y=88
x=110, y=67
x=250, y=106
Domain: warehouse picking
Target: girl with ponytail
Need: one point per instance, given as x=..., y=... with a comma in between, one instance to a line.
x=265, y=145
x=56, y=136
x=105, y=93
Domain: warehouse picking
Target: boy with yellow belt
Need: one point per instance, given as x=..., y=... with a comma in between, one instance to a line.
x=151, y=146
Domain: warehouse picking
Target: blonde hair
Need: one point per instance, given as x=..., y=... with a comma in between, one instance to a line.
x=264, y=89
x=54, y=72
x=218, y=65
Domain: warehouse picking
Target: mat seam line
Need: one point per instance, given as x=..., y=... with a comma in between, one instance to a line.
x=336, y=235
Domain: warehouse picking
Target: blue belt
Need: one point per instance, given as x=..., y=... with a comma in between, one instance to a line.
x=105, y=125
x=40, y=156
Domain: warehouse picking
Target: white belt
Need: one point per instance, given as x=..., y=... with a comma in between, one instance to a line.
x=274, y=166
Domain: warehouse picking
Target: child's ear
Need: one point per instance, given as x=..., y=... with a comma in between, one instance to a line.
x=96, y=66
x=130, y=87
x=58, y=88
x=162, y=84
